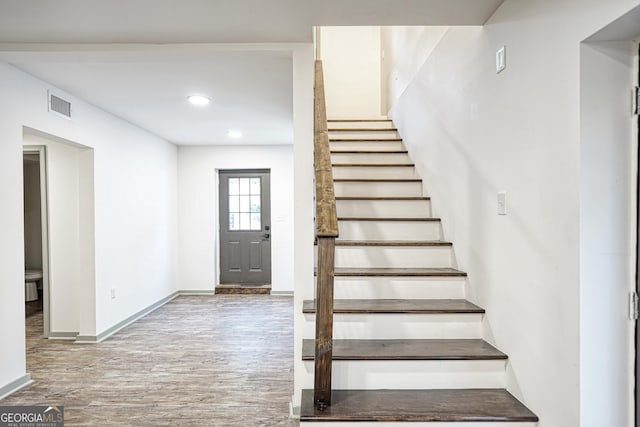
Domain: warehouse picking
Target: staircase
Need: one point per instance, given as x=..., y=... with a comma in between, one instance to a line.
x=407, y=344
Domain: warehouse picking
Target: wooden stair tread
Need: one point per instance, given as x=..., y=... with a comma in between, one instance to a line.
x=373, y=165
x=399, y=272
x=427, y=219
x=382, y=198
x=358, y=120
x=392, y=243
x=362, y=130
x=365, y=139
x=377, y=180
x=380, y=151
x=424, y=306
x=460, y=405
x=408, y=349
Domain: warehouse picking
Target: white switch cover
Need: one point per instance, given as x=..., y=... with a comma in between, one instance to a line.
x=113, y=293
x=501, y=59
x=502, y=203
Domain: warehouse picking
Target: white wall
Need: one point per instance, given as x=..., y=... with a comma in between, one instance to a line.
x=304, y=206
x=135, y=211
x=198, y=210
x=351, y=61
x=472, y=133
x=404, y=50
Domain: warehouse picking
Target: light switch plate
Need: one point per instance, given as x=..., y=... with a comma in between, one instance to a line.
x=501, y=59
x=502, y=203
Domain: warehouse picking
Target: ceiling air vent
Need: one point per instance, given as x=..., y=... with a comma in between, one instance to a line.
x=59, y=105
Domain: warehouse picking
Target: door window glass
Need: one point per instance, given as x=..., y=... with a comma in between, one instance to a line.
x=245, y=204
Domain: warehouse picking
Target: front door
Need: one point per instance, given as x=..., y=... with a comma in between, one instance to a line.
x=245, y=227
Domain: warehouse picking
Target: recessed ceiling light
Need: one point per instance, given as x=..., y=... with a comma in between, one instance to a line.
x=234, y=134
x=199, y=100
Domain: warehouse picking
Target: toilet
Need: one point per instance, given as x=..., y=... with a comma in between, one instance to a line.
x=31, y=278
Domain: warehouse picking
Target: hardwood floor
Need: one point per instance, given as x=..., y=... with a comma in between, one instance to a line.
x=224, y=360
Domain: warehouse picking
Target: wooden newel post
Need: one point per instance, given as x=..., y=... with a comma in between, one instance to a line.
x=324, y=323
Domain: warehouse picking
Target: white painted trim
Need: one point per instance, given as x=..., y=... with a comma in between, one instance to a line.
x=196, y=292
x=62, y=335
x=16, y=385
x=91, y=339
x=294, y=411
x=282, y=293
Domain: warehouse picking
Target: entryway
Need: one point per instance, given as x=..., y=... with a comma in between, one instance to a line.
x=36, y=234
x=245, y=231
x=60, y=240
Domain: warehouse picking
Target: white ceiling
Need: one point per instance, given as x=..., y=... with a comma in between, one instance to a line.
x=250, y=91
x=148, y=85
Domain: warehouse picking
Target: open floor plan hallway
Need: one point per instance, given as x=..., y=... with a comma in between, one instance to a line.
x=199, y=360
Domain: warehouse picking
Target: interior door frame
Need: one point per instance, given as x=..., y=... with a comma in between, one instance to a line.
x=41, y=151
x=218, y=218
x=637, y=278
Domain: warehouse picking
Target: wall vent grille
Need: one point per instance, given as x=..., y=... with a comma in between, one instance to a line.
x=59, y=105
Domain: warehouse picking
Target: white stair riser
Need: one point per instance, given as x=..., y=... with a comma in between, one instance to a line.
x=373, y=172
x=412, y=374
x=376, y=134
x=366, y=145
x=399, y=288
x=389, y=230
x=384, y=208
x=387, y=124
x=378, y=189
x=371, y=158
x=427, y=424
x=393, y=256
x=400, y=326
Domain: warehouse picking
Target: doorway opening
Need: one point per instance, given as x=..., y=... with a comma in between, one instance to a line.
x=36, y=235
x=66, y=195
x=245, y=231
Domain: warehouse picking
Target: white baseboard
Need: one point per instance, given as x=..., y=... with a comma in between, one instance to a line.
x=16, y=385
x=195, y=292
x=94, y=339
x=294, y=411
x=282, y=293
x=62, y=335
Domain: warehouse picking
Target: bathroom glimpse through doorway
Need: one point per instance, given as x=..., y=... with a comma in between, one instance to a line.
x=36, y=256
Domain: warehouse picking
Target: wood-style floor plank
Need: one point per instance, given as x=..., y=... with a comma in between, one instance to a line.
x=223, y=360
x=408, y=349
x=479, y=405
x=426, y=306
